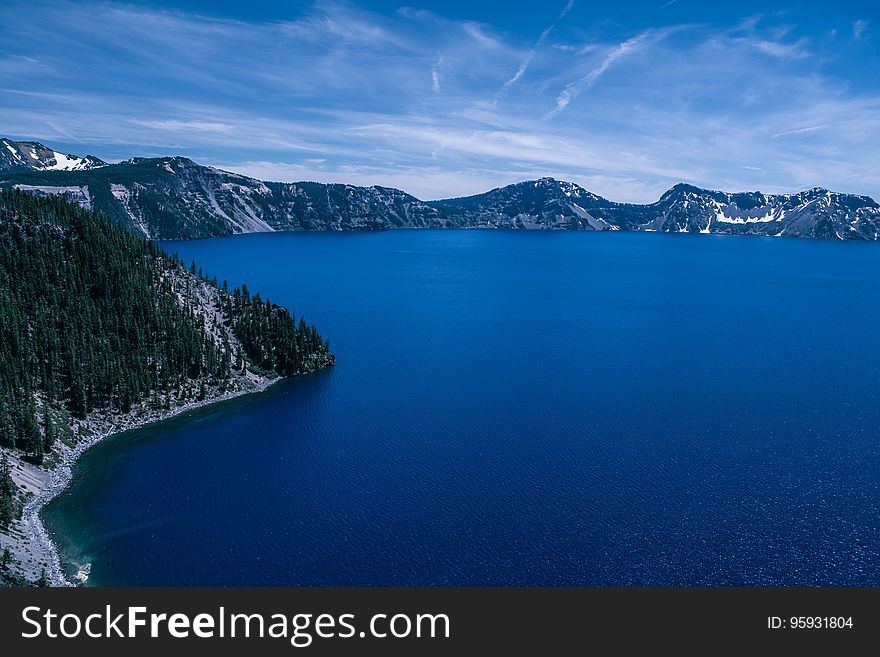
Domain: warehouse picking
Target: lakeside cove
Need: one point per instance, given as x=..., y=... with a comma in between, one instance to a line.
x=34, y=553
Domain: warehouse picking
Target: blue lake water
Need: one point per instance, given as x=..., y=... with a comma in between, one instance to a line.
x=519, y=408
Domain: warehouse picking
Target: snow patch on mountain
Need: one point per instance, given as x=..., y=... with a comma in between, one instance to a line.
x=34, y=156
x=771, y=214
x=67, y=163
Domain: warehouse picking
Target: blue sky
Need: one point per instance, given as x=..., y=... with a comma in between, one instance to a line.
x=453, y=98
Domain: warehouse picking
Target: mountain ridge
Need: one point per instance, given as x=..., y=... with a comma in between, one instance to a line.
x=177, y=198
x=34, y=156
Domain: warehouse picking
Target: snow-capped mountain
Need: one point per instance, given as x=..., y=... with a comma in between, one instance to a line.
x=813, y=213
x=175, y=198
x=549, y=203
x=34, y=156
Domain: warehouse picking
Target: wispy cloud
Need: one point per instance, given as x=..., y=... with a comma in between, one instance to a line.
x=799, y=131
x=574, y=89
x=60, y=129
x=859, y=28
x=524, y=64
x=435, y=75
x=795, y=50
x=174, y=125
x=749, y=23
x=405, y=98
x=476, y=32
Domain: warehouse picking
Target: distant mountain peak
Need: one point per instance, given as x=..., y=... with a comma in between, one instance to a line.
x=552, y=185
x=34, y=156
x=816, y=193
x=684, y=188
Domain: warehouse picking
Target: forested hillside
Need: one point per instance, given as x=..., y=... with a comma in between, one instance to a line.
x=97, y=321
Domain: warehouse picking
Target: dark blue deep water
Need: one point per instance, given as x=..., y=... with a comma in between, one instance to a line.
x=519, y=408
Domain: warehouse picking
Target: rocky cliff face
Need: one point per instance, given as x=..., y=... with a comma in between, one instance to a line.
x=548, y=203
x=176, y=198
x=814, y=213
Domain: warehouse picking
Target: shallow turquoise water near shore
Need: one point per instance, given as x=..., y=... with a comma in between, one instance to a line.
x=519, y=408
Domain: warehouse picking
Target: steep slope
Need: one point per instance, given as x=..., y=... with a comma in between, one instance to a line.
x=169, y=198
x=547, y=203
x=816, y=213
x=34, y=156
x=176, y=198
x=101, y=331
x=95, y=317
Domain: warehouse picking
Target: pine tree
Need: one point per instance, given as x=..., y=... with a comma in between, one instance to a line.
x=30, y=432
x=48, y=429
x=7, y=493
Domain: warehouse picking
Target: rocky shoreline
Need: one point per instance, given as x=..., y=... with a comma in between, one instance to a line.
x=29, y=542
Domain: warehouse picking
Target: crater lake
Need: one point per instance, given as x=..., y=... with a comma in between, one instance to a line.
x=518, y=408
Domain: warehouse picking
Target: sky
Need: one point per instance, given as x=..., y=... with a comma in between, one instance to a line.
x=443, y=99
